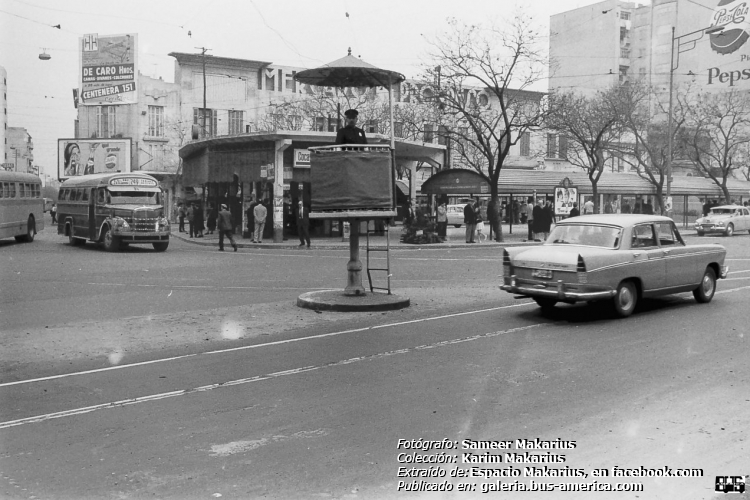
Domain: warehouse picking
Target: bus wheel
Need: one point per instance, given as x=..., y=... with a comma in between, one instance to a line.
x=160, y=247
x=30, y=227
x=111, y=243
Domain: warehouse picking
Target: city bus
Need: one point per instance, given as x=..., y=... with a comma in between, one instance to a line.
x=114, y=210
x=21, y=206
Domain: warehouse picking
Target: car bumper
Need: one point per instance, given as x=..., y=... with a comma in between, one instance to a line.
x=711, y=229
x=142, y=236
x=558, y=290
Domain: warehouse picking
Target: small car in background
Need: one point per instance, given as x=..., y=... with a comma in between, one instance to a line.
x=618, y=258
x=455, y=215
x=725, y=219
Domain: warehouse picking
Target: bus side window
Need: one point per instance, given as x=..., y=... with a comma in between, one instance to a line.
x=63, y=194
x=2, y=189
x=21, y=190
x=100, y=196
x=84, y=195
x=12, y=192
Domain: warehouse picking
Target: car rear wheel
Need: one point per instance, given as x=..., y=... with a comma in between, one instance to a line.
x=111, y=242
x=160, y=247
x=730, y=230
x=625, y=299
x=544, y=303
x=706, y=290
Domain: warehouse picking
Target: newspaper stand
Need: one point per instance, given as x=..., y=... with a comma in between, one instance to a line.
x=354, y=182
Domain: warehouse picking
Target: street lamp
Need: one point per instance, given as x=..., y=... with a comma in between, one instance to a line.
x=673, y=65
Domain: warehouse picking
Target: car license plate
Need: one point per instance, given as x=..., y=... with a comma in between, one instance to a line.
x=541, y=273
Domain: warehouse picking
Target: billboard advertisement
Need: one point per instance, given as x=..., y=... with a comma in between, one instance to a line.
x=108, y=69
x=564, y=199
x=92, y=156
x=720, y=59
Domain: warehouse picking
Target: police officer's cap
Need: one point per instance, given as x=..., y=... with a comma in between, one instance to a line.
x=351, y=113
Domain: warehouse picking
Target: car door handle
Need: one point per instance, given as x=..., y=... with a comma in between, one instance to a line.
x=666, y=252
x=636, y=254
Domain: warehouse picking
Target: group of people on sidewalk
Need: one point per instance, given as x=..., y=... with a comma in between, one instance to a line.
x=197, y=222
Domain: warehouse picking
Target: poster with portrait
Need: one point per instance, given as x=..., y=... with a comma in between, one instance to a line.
x=564, y=199
x=77, y=157
x=108, y=69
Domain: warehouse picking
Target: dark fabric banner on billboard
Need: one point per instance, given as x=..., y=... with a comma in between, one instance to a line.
x=351, y=180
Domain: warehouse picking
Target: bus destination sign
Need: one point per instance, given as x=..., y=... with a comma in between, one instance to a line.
x=132, y=181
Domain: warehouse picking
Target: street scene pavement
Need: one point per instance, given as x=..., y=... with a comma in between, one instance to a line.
x=193, y=374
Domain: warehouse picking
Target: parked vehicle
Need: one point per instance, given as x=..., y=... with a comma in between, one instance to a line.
x=724, y=219
x=619, y=258
x=455, y=214
x=21, y=206
x=48, y=202
x=114, y=210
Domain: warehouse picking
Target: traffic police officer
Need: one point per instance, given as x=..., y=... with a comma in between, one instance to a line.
x=351, y=134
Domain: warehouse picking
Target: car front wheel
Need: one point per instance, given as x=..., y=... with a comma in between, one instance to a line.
x=730, y=230
x=706, y=290
x=625, y=299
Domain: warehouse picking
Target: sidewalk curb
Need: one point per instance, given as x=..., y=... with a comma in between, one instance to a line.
x=343, y=245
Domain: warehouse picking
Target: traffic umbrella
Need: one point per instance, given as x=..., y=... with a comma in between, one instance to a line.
x=350, y=71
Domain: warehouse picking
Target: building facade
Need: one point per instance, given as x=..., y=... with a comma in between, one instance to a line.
x=20, y=150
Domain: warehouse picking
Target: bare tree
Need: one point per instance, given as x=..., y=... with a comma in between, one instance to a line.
x=592, y=128
x=483, y=76
x=644, y=113
x=718, y=135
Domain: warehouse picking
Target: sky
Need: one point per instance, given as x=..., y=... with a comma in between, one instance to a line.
x=390, y=34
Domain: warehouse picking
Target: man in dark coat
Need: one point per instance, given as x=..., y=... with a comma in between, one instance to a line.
x=226, y=226
x=540, y=220
x=303, y=225
x=470, y=219
x=351, y=134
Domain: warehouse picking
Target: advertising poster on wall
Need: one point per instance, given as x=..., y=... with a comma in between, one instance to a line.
x=92, y=156
x=564, y=198
x=108, y=69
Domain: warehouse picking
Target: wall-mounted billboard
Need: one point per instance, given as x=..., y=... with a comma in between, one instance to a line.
x=108, y=69
x=92, y=156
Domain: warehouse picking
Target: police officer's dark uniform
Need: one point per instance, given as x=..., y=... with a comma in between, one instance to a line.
x=351, y=134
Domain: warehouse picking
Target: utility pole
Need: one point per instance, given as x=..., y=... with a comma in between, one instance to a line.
x=203, y=111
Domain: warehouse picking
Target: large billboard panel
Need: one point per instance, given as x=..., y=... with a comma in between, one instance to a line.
x=108, y=69
x=719, y=59
x=92, y=156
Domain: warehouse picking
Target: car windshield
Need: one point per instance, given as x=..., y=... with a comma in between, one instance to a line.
x=135, y=197
x=585, y=234
x=722, y=211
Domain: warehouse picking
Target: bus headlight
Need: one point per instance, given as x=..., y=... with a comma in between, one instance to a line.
x=162, y=224
x=121, y=223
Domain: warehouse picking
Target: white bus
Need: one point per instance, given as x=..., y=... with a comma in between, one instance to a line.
x=21, y=205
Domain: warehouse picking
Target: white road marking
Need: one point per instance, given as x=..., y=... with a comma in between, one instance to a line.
x=258, y=346
x=257, y=378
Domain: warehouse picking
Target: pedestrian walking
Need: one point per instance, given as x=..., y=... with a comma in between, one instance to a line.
x=470, y=219
x=541, y=226
x=530, y=218
x=191, y=224
x=442, y=221
x=181, y=217
x=226, y=225
x=259, y=213
x=53, y=213
x=251, y=217
x=303, y=225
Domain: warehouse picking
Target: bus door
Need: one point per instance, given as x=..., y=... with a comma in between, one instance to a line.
x=92, y=214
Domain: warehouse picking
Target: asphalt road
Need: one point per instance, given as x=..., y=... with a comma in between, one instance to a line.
x=302, y=405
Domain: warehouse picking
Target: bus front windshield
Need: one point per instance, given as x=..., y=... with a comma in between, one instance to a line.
x=134, y=197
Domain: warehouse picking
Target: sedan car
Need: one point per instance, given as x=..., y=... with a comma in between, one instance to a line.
x=455, y=214
x=619, y=258
x=724, y=219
